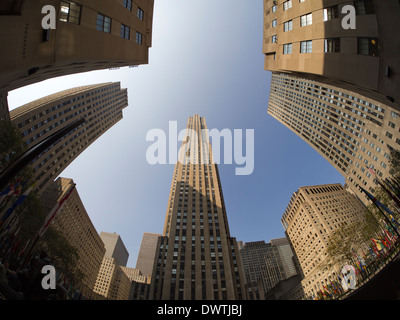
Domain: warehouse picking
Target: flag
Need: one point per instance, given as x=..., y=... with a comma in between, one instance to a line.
x=378, y=244
x=19, y=201
x=377, y=202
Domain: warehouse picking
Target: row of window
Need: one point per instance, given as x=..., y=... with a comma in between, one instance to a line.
x=366, y=46
x=71, y=12
x=362, y=7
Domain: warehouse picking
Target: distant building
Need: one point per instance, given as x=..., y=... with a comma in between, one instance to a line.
x=147, y=252
x=268, y=263
x=112, y=281
x=115, y=248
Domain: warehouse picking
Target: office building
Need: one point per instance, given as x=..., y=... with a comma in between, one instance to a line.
x=147, y=252
x=352, y=132
x=196, y=257
x=112, y=282
x=310, y=39
x=115, y=248
x=140, y=284
x=269, y=263
x=88, y=35
x=69, y=217
x=99, y=105
x=311, y=217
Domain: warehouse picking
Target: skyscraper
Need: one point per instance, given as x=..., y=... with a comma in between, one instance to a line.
x=310, y=219
x=196, y=256
x=353, y=132
x=310, y=39
x=88, y=35
x=115, y=248
x=148, y=247
x=268, y=262
x=99, y=105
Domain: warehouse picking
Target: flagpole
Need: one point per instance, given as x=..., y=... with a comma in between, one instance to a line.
x=387, y=219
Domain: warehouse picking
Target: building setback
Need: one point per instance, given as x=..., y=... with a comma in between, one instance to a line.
x=196, y=257
x=311, y=217
x=352, y=132
x=99, y=105
x=305, y=38
x=89, y=35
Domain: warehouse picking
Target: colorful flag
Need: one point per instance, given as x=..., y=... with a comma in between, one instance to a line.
x=19, y=201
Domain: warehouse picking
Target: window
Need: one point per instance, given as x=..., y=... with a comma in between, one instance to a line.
x=274, y=23
x=274, y=38
x=306, y=20
x=288, y=25
x=125, y=31
x=128, y=4
x=70, y=12
x=368, y=46
x=103, y=23
x=332, y=45
x=140, y=13
x=139, y=37
x=274, y=8
x=287, y=48
x=287, y=5
x=331, y=13
x=306, y=46
x=388, y=134
x=364, y=7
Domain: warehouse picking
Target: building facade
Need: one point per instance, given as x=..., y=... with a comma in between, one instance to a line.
x=147, y=252
x=269, y=263
x=306, y=38
x=311, y=217
x=196, y=257
x=99, y=105
x=112, y=282
x=89, y=35
x=74, y=223
x=352, y=132
x=115, y=247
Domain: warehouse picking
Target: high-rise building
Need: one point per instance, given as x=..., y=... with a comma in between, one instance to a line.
x=269, y=263
x=196, y=256
x=311, y=217
x=352, y=132
x=74, y=223
x=113, y=281
x=88, y=35
x=99, y=105
x=310, y=39
x=115, y=248
x=148, y=247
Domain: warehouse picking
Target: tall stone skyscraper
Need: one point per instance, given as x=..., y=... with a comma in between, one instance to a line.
x=196, y=257
x=354, y=133
x=99, y=105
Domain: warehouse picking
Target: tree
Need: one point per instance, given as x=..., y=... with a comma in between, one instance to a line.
x=62, y=253
x=11, y=143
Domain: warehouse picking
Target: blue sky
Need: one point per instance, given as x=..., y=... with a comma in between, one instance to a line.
x=206, y=59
